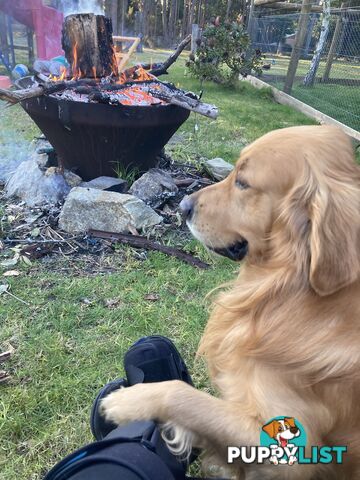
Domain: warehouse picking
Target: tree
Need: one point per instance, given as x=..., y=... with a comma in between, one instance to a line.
x=325, y=24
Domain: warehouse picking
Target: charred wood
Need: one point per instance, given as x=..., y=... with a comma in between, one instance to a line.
x=157, y=71
x=88, y=45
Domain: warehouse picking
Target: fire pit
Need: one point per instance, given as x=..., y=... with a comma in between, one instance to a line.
x=93, y=139
x=100, y=118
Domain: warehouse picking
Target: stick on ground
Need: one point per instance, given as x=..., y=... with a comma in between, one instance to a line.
x=142, y=242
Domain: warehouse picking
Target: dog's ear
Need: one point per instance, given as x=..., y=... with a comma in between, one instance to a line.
x=334, y=236
x=270, y=428
x=290, y=421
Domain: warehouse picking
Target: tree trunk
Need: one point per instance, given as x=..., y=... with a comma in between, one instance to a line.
x=228, y=8
x=334, y=44
x=191, y=15
x=172, y=17
x=123, y=10
x=165, y=20
x=184, y=20
x=325, y=24
x=114, y=16
x=88, y=45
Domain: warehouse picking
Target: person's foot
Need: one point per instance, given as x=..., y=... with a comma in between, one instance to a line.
x=99, y=426
x=154, y=359
x=150, y=359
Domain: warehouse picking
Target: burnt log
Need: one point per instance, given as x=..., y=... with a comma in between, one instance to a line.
x=88, y=45
x=183, y=100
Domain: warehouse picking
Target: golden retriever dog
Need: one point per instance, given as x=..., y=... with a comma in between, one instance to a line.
x=284, y=338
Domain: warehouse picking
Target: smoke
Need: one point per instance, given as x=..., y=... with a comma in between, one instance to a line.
x=82, y=6
x=13, y=151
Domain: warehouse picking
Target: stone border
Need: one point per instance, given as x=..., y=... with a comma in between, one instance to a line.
x=285, y=99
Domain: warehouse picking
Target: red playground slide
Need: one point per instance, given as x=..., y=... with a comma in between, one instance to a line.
x=45, y=21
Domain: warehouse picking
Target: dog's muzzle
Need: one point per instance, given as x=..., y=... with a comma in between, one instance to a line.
x=235, y=252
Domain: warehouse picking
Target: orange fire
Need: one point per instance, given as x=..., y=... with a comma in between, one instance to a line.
x=135, y=74
x=60, y=78
x=114, y=64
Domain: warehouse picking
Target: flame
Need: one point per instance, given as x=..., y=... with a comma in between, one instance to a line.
x=135, y=74
x=62, y=77
x=75, y=60
x=114, y=64
x=142, y=75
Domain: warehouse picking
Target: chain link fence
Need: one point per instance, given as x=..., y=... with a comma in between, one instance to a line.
x=335, y=89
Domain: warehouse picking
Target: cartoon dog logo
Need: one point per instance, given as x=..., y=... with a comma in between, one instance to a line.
x=283, y=431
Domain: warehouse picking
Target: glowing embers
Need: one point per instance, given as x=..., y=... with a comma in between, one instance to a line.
x=134, y=95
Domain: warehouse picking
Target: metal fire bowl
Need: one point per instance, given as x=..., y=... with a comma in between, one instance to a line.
x=94, y=139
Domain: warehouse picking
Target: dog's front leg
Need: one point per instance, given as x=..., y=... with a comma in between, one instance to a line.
x=211, y=418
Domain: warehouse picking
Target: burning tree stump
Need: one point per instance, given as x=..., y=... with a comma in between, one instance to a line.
x=88, y=45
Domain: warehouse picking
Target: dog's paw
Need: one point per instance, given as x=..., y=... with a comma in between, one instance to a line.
x=139, y=402
x=292, y=460
x=274, y=460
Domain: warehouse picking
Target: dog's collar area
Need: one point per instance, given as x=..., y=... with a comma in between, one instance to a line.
x=235, y=252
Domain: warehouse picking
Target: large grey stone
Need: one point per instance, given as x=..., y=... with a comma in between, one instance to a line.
x=154, y=187
x=36, y=187
x=89, y=208
x=218, y=168
x=110, y=184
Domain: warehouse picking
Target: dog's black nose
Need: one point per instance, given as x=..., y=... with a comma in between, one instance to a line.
x=187, y=207
x=294, y=430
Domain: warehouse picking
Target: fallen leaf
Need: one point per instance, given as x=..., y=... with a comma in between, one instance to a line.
x=4, y=288
x=11, y=273
x=35, y=232
x=112, y=302
x=152, y=297
x=26, y=260
x=11, y=262
x=86, y=301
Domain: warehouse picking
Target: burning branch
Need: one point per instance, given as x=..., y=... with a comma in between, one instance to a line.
x=16, y=96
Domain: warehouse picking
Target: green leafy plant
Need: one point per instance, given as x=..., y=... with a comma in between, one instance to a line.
x=128, y=173
x=223, y=54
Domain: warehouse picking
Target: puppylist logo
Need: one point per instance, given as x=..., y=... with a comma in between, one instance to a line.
x=283, y=442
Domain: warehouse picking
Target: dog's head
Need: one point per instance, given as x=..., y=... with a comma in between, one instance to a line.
x=282, y=430
x=293, y=191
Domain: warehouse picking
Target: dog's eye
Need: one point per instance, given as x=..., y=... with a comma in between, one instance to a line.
x=280, y=428
x=241, y=184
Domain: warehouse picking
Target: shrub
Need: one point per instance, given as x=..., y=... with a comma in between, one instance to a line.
x=223, y=54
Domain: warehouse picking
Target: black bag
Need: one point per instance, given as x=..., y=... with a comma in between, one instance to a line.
x=132, y=452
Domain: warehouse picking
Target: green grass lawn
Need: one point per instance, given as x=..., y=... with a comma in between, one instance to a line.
x=340, y=101
x=69, y=340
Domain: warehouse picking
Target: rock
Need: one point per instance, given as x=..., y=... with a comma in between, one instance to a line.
x=87, y=208
x=218, y=168
x=110, y=184
x=154, y=187
x=35, y=187
x=72, y=179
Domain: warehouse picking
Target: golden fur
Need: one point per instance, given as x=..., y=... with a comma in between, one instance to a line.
x=284, y=339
